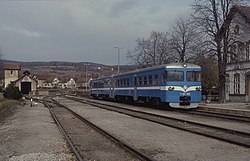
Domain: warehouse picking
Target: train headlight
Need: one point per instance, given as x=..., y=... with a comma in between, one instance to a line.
x=170, y=88
x=198, y=88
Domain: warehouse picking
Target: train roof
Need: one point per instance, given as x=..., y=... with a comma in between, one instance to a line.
x=164, y=66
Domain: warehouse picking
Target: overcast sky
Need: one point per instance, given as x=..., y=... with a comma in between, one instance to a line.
x=82, y=30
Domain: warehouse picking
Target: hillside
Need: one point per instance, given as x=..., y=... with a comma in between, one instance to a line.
x=66, y=70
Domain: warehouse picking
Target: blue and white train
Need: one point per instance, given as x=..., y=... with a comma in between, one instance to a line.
x=178, y=85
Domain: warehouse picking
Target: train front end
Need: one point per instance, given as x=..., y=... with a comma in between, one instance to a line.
x=183, y=86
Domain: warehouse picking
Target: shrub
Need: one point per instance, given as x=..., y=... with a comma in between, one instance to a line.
x=12, y=92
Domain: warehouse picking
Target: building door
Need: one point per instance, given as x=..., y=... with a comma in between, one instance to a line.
x=25, y=87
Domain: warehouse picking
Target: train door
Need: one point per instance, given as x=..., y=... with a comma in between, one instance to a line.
x=135, y=88
x=113, y=83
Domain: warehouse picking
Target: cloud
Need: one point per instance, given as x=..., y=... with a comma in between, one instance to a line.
x=23, y=31
x=122, y=6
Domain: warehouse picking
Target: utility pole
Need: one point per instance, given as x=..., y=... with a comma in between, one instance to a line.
x=118, y=50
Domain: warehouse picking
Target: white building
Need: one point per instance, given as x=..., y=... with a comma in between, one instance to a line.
x=26, y=83
x=238, y=67
x=11, y=73
x=71, y=83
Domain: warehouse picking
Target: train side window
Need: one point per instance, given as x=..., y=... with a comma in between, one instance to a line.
x=150, y=80
x=193, y=76
x=155, y=79
x=140, y=81
x=128, y=82
x=144, y=80
x=125, y=82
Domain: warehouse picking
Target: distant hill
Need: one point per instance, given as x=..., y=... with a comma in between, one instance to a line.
x=52, y=63
x=66, y=70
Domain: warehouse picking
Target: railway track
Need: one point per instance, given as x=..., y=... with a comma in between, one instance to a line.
x=227, y=135
x=228, y=116
x=88, y=141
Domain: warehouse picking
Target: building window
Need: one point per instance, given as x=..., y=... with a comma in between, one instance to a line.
x=248, y=51
x=233, y=53
x=241, y=51
x=237, y=83
x=11, y=72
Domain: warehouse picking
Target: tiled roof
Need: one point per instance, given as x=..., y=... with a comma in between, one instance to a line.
x=12, y=67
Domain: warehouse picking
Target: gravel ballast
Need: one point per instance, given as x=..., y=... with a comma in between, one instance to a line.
x=31, y=134
x=162, y=143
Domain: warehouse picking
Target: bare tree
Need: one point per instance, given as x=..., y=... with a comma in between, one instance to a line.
x=210, y=15
x=185, y=40
x=152, y=51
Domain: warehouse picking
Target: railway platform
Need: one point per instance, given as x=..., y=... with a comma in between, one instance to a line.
x=229, y=108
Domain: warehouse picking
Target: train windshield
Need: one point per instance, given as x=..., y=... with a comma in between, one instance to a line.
x=174, y=76
x=193, y=76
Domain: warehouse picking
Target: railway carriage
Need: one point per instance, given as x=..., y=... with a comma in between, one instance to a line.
x=178, y=85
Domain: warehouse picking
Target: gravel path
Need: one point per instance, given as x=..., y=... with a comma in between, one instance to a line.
x=31, y=134
x=162, y=143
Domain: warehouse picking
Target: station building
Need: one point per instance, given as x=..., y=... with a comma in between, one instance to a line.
x=238, y=59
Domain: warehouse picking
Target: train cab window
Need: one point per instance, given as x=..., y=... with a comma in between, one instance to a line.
x=155, y=79
x=144, y=80
x=193, y=76
x=174, y=76
x=150, y=80
x=140, y=81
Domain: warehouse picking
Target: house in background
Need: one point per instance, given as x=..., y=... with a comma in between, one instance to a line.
x=238, y=60
x=26, y=83
x=11, y=73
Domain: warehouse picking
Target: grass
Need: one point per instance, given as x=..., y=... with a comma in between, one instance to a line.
x=7, y=108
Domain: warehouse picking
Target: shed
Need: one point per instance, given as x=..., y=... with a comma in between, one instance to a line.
x=26, y=83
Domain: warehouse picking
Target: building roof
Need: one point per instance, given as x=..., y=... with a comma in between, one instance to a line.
x=24, y=75
x=244, y=11
x=12, y=67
